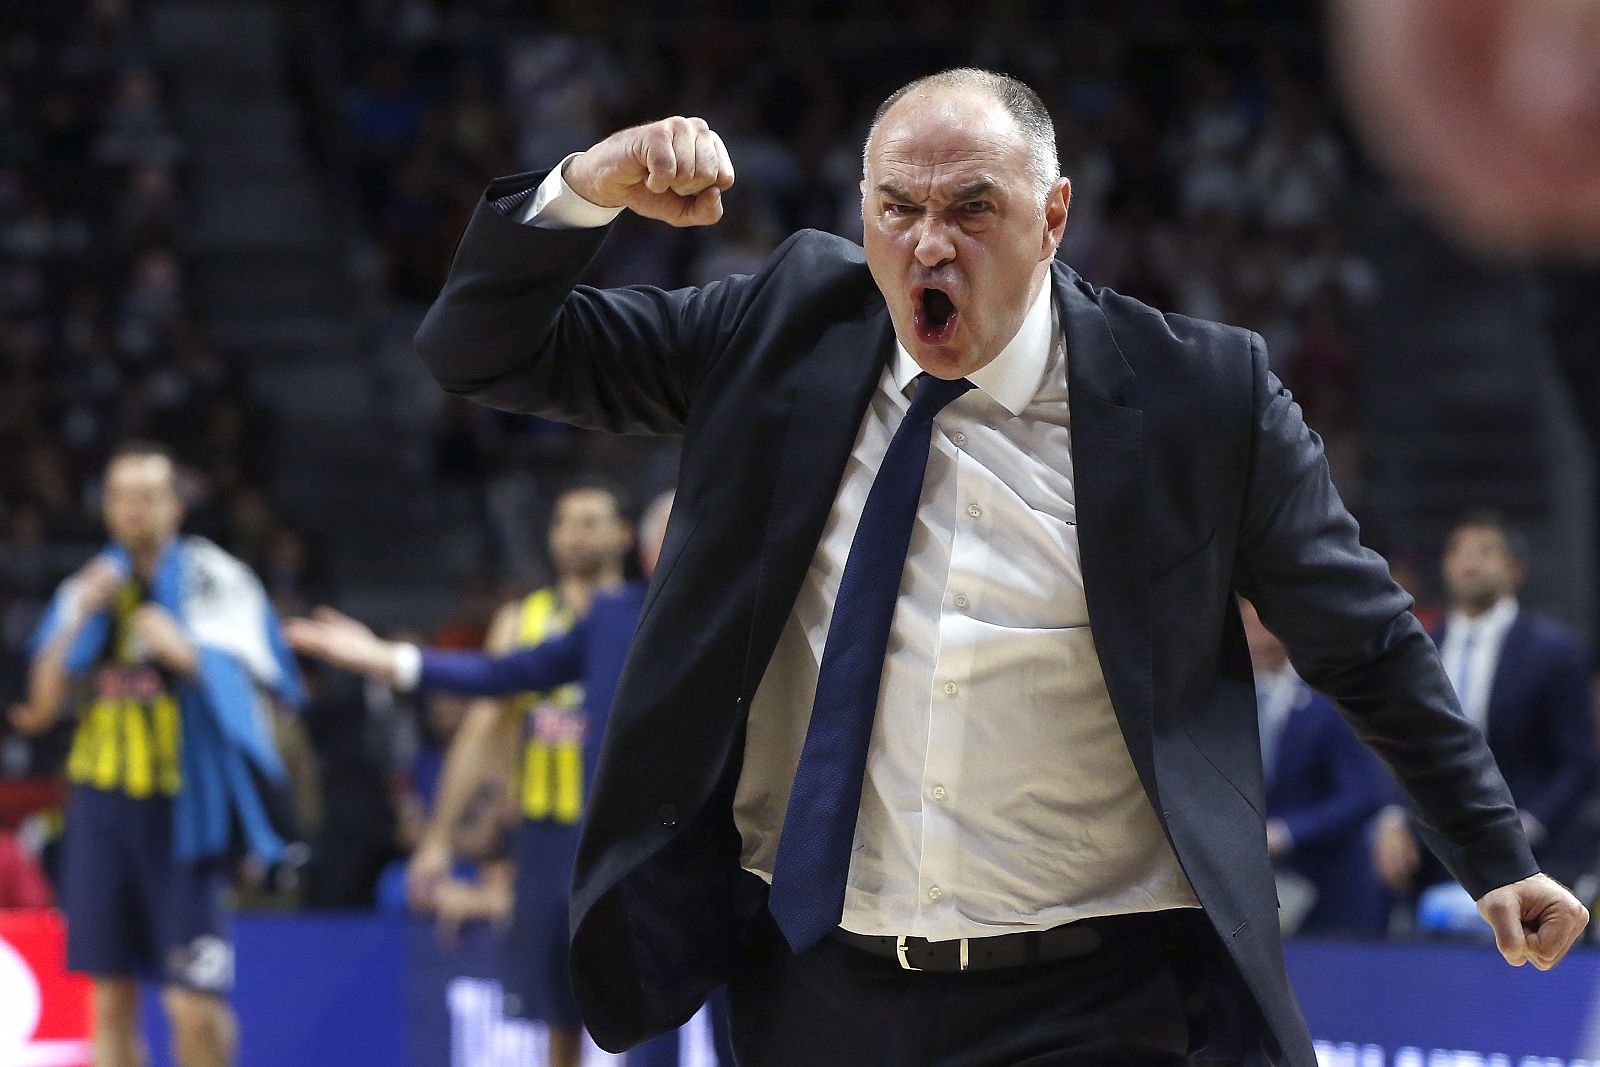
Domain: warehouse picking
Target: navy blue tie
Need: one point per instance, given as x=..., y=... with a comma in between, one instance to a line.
x=808, y=879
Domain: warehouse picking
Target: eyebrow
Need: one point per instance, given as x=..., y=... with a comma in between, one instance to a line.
x=965, y=192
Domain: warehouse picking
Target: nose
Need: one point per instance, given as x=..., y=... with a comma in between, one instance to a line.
x=934, y=247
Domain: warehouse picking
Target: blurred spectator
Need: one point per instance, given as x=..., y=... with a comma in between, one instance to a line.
x=1523, y=680
x=1322, y=788
x=99, y=334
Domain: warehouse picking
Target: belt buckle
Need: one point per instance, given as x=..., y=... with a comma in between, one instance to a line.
x=905, y=964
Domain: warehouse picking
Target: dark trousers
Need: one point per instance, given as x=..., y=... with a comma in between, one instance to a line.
x=1141, y=1000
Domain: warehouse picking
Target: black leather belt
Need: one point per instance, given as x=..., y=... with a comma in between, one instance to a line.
x=1067, y=942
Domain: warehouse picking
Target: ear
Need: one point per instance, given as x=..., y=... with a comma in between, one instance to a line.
x=1055, y=217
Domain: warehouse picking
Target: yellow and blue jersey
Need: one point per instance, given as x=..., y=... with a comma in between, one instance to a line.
x=129, y=732
x=553, y=724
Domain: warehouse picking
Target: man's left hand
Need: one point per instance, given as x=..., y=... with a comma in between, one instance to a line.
x=168, y=645
x=1535, y=920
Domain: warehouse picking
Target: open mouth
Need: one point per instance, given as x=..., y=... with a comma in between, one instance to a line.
x=934, y=316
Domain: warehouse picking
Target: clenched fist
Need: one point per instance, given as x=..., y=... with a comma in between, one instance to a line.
x=1535, y=920
x=674, y=170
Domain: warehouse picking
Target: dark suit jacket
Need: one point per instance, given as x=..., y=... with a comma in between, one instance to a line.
x=1325, y=786
x=1541, y=730
x=1196, y=478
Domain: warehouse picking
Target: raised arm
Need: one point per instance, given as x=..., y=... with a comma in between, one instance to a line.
x=512, y=329
x=83, y=596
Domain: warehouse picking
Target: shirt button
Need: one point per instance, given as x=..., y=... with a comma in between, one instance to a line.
x=959, y=438
x=668, y=814
x=939, y=793
x=935, y=893
x=975, y=511
x=961, y=600
x=950, y=689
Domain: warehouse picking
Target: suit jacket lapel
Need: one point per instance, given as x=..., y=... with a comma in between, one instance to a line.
x=830, y=394
x=1108, y=465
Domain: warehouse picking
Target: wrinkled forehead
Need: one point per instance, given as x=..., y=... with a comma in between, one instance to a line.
x=934, y=144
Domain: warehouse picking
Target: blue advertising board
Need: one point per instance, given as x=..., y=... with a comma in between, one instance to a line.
x=332, y=991
x=1441, y=1004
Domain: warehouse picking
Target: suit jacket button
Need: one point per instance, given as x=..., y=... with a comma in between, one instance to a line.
x=669, y=815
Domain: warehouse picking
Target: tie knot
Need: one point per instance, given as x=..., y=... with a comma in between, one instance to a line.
x=933, y=394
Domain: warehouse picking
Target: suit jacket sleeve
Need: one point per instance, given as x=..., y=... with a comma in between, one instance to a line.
x=549, y=664
x=1350, y=633
x=513, y=330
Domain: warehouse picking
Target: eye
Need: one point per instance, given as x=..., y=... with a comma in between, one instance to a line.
x=977, y=207
x=903, y=210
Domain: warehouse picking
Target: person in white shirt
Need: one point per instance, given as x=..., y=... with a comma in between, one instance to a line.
x=1522, y=680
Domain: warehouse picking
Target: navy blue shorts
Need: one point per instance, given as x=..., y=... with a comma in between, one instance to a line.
x=537, y=971
x=132, y=909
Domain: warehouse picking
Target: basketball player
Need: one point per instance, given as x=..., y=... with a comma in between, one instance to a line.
x=590, y=536
x=169, y=651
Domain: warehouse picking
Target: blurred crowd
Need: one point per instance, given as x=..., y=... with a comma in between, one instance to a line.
x=102, y=337
x=1214, y=182
x=102, y=333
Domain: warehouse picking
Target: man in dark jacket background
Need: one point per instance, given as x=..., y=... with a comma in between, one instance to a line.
x=1522, y=680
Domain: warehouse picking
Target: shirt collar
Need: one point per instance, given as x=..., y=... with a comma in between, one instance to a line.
x=1013, y=377
x=1496, y=619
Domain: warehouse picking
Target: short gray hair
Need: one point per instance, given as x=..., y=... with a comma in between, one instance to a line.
x=1020, y=102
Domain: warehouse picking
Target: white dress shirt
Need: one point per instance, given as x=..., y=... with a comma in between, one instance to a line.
x=1278, y=693
x=999, y=793
x=1471, y=655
